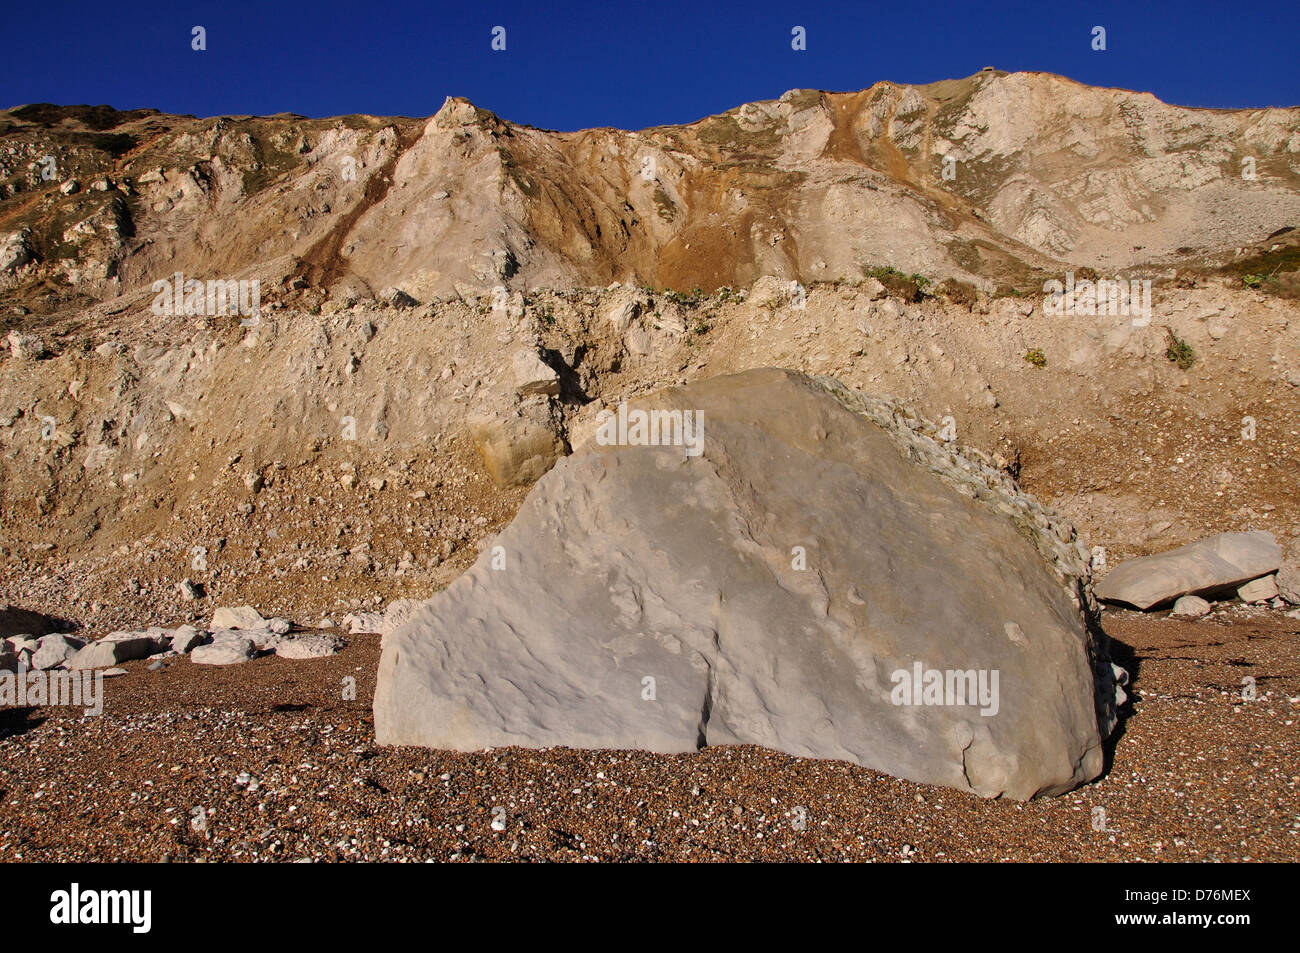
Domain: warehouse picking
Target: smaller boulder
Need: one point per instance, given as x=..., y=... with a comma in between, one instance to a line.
x=15, y=251
x=113, y=649
x=264, y=640
x=519, y=445
x=227, y=651
x=240, y=617
x=397, y=298
x=365, y=623
x=1288, y=581
x=307, y=646
x=54, y=650
x=21, y=643
x=186, y=638
x=769, y=292
x=532, y=375
x=1191, y=607
x=26, y=347
x=1218, y=563
x=1259, y=590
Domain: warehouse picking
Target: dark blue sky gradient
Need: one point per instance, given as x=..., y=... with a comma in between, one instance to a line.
x=632, y=64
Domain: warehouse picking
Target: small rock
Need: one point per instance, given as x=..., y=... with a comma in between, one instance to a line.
x=26, y=347
x=307, y=646
x=1191, y=607
x=53, y=650
x=532, y=375
x=112, y=649
x=1259, y=590
x=264, y=640
x=365, y=623
x=241, y=617
x=229, y=651
x=397, y=298
x=186, y=637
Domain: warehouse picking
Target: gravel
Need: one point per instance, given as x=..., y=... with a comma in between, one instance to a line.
x=276, y=760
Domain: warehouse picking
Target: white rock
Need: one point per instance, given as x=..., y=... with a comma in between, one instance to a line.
x=365, y=623
x=26, y=347
x=623, y=315
x=307, y=646
x=186, y=637
x=53, y=650
x=241, y=617
x=112, y=649
x=1259, y=590
x=263, y=640
x=634, y=652
x=1191, y=607
x=532, y=375
x=1217, y=562
x=225, y=652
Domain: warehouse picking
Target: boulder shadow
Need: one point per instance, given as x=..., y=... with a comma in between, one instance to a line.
x=1123, y=655
x=19, y=721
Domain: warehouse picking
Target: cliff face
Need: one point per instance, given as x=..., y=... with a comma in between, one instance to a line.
x=991, y=179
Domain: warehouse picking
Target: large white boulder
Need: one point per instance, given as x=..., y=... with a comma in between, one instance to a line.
x=826, y=578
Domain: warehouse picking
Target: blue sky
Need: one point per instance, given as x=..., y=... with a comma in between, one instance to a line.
x=627, y=64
